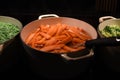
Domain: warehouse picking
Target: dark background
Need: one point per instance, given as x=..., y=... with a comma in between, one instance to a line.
x=60, y=7
x=69, y=8
x=13, y=61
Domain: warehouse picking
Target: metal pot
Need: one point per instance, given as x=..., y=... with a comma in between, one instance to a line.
x=55, y=19
x=58, y=65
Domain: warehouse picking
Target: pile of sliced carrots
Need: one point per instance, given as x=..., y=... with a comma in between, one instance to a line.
x=57, y=38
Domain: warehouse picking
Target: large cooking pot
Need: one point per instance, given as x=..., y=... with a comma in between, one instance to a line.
x=58, y=65
x=109, y=55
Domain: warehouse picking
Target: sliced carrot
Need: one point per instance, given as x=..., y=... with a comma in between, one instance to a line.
x=45, y=35
x=42, y=41
x=58, y=38
x=77, y=40
x=61, y=28
x=29, y=38
x=51, y=47
x=73, y=49
x=79, y=34
x=44, y=28
x=71, y=33
x=50, y=41
x=51, y=29
x=66, y=40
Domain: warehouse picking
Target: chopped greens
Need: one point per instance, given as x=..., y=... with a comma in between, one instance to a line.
x=7, y=31
x=111, y=31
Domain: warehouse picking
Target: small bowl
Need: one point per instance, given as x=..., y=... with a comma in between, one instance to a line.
x=7, y=19
x=107, y=20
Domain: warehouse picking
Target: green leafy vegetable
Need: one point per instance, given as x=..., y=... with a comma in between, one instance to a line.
x=7, y=31
x=111, y=31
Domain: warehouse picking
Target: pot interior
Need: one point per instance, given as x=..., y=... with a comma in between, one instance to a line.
x=102, y=25
x=53, y=20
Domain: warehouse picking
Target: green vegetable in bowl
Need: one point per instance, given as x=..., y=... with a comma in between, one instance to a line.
x=111, y=31
x=7, y=31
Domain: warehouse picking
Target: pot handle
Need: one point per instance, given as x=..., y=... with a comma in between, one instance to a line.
x=101, y=19
x=47, y=15
x=111, y=41
x=65, y=56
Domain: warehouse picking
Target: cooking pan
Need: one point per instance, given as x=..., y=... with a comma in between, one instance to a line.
x=54, y=19
x=62, y=65
x=57, y=66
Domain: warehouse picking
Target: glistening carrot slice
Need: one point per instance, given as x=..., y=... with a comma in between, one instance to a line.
x=78, y=33
x=29, y=38
x=51, y=47
x=42, y=41
x=69, y=49
x=44, y=28
x=45, y=35
x=51, y=41
x=77, y=40
x=61, y=28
